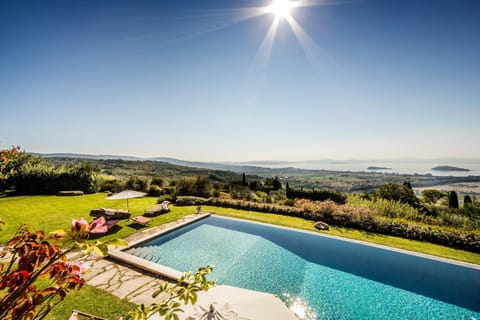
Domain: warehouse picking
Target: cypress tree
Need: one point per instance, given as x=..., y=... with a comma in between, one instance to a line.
x=244, y=180
x=408, y=185
x=453, y=200
x=467, y=201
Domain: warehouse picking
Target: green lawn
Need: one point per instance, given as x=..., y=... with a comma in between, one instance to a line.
x=52, y=212
x=93, y=301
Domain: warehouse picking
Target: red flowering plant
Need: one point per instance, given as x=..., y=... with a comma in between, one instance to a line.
x=35, y=274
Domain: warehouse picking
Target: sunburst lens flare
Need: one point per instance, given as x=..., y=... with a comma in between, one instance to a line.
x=281, y=8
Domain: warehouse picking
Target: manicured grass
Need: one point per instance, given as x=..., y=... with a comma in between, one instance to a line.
x=50, y=213
x=93, y=301
x=396, y=242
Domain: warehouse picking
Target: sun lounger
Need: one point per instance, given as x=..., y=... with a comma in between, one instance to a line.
x=157, y=209
x=141, y=220
x=110, y=214
x=78, y=315
x=101, y=225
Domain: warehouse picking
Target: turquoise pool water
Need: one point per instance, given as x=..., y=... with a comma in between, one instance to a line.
x=320, y=277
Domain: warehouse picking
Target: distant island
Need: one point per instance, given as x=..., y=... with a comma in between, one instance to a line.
x=448, y=168
x=378, y=168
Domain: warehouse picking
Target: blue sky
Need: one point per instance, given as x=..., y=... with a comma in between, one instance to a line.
x=187, y=79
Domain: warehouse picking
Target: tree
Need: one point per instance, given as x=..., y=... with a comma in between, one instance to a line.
x=33, y=256
x=432, y=196
x=396, y=192
x=467, y=201
x=453, y=200
x=28, y=257
x=244, y=180
x=199, y=186
x=7, y=161
x=408, y=185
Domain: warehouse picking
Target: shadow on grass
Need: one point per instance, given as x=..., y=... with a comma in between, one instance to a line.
x=137, y=226
x=113, y=230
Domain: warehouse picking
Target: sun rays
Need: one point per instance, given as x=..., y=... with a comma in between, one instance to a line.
x=208, y=21
x=284, y=10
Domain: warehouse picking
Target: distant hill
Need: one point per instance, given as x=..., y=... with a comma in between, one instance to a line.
x=239, y=167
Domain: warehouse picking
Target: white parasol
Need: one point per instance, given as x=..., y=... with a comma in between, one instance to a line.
x=214, y=312
x=248, y=304
x=127, y=194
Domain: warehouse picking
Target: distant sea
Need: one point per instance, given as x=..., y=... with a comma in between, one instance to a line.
x=397, y=166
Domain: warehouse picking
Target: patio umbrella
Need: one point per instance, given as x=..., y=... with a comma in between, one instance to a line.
x=127, y=194
x=214, y=312
x=248, y=304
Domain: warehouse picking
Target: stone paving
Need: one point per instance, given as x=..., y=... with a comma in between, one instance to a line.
x=121, y=280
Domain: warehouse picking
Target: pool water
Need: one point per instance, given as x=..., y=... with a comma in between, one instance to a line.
x=320, y=277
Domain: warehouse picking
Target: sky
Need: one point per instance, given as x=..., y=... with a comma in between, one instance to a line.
x=215, y=80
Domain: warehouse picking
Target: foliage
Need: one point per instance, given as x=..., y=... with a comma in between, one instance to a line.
x=467, y=201
x=161, y=182
x=396, y=192
x=35, y=256
x=184, y=291
x=317, y=195
x=87, y=300
x=109, y=184
x=124, y=169
x=138, y=184
x=199, y=186
x=453, y=200
x=8, y=162
x=7, y=154
x=386, y=208
x=155, y=191
x=33, y=175
x=240, y=191
x=432, y=196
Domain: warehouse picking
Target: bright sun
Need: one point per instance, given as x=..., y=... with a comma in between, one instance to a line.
x=281, y=8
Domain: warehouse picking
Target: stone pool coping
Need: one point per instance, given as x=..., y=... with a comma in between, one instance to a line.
x=166, y=272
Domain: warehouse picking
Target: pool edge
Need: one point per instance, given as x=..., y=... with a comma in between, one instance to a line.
x=169, y=273
x=371, y=244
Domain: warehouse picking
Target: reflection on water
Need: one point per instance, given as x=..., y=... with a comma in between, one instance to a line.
x=299, y=307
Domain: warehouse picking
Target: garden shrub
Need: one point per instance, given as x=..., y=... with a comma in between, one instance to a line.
x=316, y=195
x=138, y=184
x=154, y=191
x=198, y=186
x=111, y=185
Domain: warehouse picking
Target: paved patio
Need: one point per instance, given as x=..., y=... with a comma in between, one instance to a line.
x=125, y=281
x=137, y=286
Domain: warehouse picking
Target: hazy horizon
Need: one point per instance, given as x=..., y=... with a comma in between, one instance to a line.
x=218, y=80
x=264, y=160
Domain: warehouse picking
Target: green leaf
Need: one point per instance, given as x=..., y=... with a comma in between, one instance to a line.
x=100, y=251
x=117, y=243
x=59, y=232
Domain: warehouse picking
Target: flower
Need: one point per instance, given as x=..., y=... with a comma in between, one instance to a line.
x=80, y=227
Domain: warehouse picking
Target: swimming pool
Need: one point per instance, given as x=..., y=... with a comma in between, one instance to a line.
x=317, y=276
